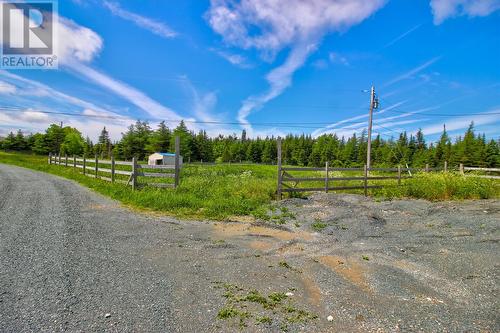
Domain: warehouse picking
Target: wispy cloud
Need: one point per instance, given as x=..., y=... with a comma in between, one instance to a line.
x=132, y=95
x=279, y=79
x=340, y=124
x=337, y=58
x=33, y=99
x=269, y=27
x=400, y=37
x=444, y=9
x=7, y=88
x=235, y=59
x=412, y=72
x=462, y=122
x=152, y=25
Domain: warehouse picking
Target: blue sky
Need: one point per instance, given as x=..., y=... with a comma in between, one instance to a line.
x=272, y=67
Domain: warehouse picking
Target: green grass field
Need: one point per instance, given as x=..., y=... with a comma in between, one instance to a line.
x=219, y=191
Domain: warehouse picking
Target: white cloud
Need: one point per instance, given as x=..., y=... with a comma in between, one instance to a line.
x=7, y=88
x=125, y=91
x=154, y=26
x=282, y=25
x=337, y=58
x=73, y=42
x=444, y=9
x=33, y=116
x=400, y=37
x=333, y=128
x=269, y=26
x=462, y=122
x=31, y=88
x=235, y=59
x=77, y=43
x=279, y=79
x=412, y=72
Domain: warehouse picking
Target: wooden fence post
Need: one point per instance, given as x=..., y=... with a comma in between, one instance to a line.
x=366, y=180
x=96, y=166
x=462, y=169
x=280, y=173
x=74, y=162
x=427, y=167
x=134, y=173
x=50, y=158
x=445, y=166
x=399, y=174
x=177, y=161
x=112, y=168
x=327, y=180
x=65, y=160
x=84, y=164
x=59, y=162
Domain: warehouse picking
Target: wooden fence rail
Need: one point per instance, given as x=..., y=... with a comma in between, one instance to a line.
x=156, y=172
x=285, y=178
x=463, y=170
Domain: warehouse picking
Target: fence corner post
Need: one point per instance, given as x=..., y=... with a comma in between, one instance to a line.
x=427, y=167
x=74, y=162
x=399, y=174
x=327, y=179
x=177, y=161
x=50, y=158
x=65, y=160
x=280, y=173
x=84, y=163
x=96, y=165
x=445, y=166
x=366, y=180
x=462, y=169
x=112, y=168
x=134, y=173
x=59, y=157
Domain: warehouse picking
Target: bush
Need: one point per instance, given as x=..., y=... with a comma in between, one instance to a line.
x=445, y=186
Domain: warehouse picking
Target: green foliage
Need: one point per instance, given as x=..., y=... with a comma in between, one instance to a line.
x=318, y=225
x=444, y=186
x=214, y=192
x=140, y=141
x=73, y=143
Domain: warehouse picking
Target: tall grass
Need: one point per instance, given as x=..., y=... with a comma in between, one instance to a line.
x=444, y=186
x=212, y=192
x=220, y=191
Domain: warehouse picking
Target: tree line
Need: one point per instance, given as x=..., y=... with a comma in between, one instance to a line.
x=140, y=140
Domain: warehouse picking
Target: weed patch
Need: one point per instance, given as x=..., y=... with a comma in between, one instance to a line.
x=275, y=308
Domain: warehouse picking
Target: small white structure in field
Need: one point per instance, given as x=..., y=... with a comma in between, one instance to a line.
x=163, y=159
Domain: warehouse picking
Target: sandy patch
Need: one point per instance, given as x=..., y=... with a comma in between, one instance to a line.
x=261, y=245
x=312, y=290
x=291, y=249
x=230, y=230
x=350, y=270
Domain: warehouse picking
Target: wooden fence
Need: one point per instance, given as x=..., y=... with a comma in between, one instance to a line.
x=288, y=183
x=137, y=174
x=464, y=169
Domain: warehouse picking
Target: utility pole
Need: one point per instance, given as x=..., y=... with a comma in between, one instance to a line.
x=373, y=106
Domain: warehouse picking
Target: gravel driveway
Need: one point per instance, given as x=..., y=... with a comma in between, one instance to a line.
x=72, y=260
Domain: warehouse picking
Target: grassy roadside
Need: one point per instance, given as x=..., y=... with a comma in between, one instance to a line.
x=214, y=192
x=219, y=191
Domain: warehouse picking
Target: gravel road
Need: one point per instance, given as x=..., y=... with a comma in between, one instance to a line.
x=74, y=261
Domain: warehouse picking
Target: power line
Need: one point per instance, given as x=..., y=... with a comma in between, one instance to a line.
x=445, y=115
x=264, y=124
x=433, y=114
